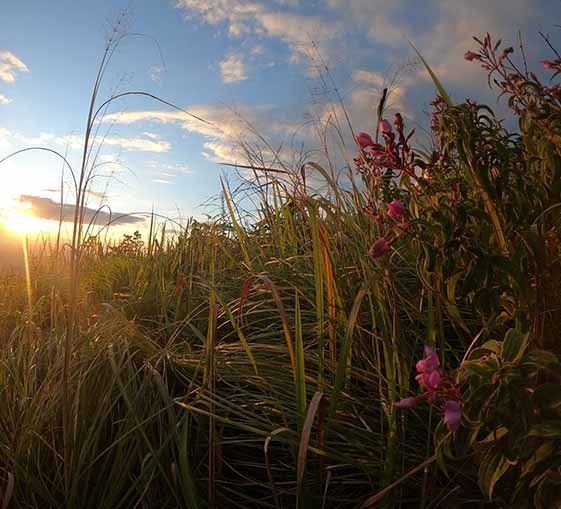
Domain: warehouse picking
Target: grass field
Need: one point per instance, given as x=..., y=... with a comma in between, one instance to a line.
x=255, y=360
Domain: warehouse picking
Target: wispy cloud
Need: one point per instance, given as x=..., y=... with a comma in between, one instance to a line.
x=170, y=170
x=4, y=99
x=233, y=69
x=10, y=66
x=243, y=18
x=228, y=129
x=147, y=142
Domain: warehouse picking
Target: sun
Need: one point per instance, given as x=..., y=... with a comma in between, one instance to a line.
x=23, y=223
x=20, y=219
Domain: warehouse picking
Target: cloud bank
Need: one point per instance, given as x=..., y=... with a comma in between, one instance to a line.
x=45, y=208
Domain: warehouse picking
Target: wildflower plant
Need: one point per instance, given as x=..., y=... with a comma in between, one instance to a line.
x=480, y=212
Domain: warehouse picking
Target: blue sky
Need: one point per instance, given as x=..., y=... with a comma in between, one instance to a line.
x=232, y=62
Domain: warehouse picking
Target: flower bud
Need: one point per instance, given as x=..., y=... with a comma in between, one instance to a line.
x=396, y=209
x=470, y=56
x=385, y=127
x=379, y=248
x=364, y=140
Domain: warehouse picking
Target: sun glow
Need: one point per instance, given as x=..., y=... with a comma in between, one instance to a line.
x=20, y=219
x=24, y=223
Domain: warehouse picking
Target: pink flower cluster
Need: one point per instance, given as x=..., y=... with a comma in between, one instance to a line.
x=439, y=390
x=386, y=162
x=486, y=54
x=393, y=158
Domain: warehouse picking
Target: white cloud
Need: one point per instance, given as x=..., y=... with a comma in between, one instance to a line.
x=10, y=66
x=451, y=36
x=161, y=181
x=4, y=99
x=152, y=136
x=373, y=17
x=229, y=132
x=222, y=123
x=446, y=33
x=168, y=171
x=369, y=77
x=222, y=151
x=297, y=31
x=76, y=142
x=371, y=85
x=243, y=17
x=233, y=69
x=173, y=169
x=137, y=144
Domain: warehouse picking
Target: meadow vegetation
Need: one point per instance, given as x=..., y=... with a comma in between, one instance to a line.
x=268, y=357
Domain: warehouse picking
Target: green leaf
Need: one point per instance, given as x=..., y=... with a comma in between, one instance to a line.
x=485, y=368
x=492, y=345
x=543, y=452
x=543, y=360
x=301, y=399
x=515, y=344
x=441, y=90
x=491, y=469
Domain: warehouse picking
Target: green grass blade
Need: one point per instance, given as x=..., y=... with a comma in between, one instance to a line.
x=439, y=87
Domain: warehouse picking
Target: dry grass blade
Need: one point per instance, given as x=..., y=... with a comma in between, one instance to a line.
x=9, y=491
x=282, y=312
x=305, y=442
x=378, y=497
x=269, y=469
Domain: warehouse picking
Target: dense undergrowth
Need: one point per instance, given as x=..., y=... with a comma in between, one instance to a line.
x=255, y=360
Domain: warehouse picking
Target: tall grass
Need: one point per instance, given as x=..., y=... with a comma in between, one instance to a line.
x=270, y=352
x=254, y=360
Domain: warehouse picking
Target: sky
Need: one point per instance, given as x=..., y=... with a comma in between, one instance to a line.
x=249, y=68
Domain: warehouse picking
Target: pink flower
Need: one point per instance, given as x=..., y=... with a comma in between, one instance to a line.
x=440, y=390
x=429, y=380
x=396, y=209
x=410, y=402
x=385, y=127
x=378, y=248
x=434, y=379
x=429, y=370
x=430, y=363
x=433, y=362
x=364, y=140
x=470, y=56
x=452, y=415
